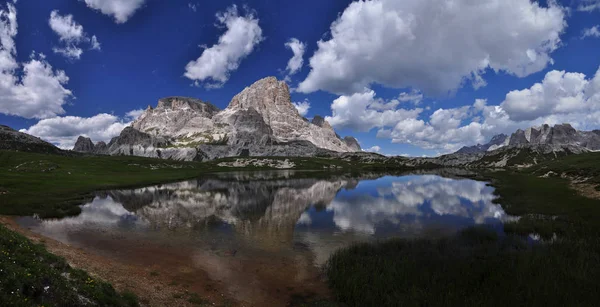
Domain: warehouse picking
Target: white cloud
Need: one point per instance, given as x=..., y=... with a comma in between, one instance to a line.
x=217, y=62
x=591, y=32
x=433, y=45
x=31, y=89
x=134, y=114
x=363, y=112
x=121, y=10
x=559, y=93
x=95, y=43
x=588, y=5
x=64, y=131
x=302, y=107
x=193, y=7
x=373, y=149
x=71, y=34
x=296, y=62
x=414, y=96
x=561, y=97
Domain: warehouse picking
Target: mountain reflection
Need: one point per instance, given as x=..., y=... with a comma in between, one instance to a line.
x=276, y=211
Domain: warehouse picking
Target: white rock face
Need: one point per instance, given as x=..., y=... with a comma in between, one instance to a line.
x=259, y=121
x=271, y=98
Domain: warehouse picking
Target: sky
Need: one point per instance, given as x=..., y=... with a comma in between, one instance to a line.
x=405, y=77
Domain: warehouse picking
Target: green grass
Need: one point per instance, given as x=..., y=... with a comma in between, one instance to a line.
x=30, y=276
x=54, y=186
x=474, y=268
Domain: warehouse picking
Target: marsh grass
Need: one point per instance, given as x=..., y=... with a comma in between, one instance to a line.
x=474, y=268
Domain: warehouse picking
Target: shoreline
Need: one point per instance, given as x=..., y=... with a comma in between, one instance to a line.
x=152, y=289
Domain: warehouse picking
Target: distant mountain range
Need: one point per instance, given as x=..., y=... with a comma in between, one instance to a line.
x=259, y=121
x=262, y=121
x=560, y=135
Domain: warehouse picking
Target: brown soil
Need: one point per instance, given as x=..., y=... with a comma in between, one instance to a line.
x=161, y=274
x=586, y=189
x=150, y=284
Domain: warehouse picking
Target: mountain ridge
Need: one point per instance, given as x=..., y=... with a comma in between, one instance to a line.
x=259, y=121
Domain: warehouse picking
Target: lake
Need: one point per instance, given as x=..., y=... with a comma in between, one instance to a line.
x=263, y=237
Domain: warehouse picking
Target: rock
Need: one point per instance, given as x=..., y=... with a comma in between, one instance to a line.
x=259, y=121
x=352, y=143
x=497, y=141
x=100, y=148
x=83, y=144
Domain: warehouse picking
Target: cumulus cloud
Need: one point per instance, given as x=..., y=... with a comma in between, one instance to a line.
x=32, y=89
x=559, y=93
x=296, y=62
x=134, y=114
x=193, y=7
x=72, y=35
x=121, y=10
x=217, y=62
x=363, y=112
x=64, y=131
x=562, y=97
x=373, y=149
x=302, y=107
x=591, y=32
x=423, y=44
x=414, y=96
x=589, y=5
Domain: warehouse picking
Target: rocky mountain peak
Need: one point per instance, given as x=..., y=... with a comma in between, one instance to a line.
x=267, y=96
x=261, y=120
x=321, y=122
x=557, y=135
x=187, y=103
x=83, y=144
x=352, y=142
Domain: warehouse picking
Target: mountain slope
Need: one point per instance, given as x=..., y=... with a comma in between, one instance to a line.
x=11, y=139
x=259, y=121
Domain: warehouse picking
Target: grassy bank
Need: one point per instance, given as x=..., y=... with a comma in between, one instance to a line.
x=30, y=276
x=478, y=267
x=55, y=185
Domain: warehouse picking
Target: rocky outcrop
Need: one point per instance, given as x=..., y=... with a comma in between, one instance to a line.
x=259, y=121
x=560, y=135
x=11, y=139
x=352, y=143
x=83, y=144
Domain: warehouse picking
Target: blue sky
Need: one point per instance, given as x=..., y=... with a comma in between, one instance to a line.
x=451, y=54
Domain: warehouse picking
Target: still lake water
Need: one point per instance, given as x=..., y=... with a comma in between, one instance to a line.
x=265, y=235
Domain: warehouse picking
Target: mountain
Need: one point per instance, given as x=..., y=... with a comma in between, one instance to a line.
x=524, y=147
x=559, y=135
x=11, y=139
x=259, y=121
x=563, y=134
x=496, y=142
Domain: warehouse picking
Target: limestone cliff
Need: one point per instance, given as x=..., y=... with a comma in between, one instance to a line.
x=259, y=121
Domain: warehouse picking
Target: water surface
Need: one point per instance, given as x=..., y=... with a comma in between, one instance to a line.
x=263, y=236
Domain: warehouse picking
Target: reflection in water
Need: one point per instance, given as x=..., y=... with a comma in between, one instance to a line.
x=265, y=219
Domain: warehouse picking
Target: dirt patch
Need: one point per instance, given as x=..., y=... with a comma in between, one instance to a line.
x=153, y=286
x=586, y=189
